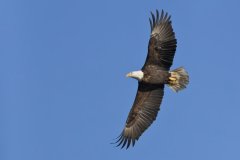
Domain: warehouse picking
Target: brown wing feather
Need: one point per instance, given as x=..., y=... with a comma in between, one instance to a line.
x=144, y=111
x=162, y=44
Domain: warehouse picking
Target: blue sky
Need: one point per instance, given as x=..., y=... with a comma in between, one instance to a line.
x=63, y=91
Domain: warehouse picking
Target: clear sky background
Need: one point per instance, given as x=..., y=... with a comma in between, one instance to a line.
x=64, y=94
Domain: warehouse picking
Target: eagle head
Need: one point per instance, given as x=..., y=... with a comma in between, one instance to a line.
x=136, y=75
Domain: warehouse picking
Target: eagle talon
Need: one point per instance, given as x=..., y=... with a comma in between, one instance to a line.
x=172, y=78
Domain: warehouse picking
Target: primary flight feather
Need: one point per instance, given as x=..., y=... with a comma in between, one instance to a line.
x=152, y=78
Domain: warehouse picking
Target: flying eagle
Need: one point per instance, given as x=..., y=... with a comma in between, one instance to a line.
x=152, y=78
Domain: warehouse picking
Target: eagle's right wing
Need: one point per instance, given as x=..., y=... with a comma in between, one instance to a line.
x=144, y=111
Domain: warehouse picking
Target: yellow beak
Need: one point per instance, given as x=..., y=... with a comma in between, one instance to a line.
x=129, y=74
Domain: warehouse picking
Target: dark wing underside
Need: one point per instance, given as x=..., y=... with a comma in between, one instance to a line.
x=144, y=111
x=162, y=44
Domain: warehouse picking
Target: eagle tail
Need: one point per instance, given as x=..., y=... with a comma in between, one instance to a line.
x=178, y=79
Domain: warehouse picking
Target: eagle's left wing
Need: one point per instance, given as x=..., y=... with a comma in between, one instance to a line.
x=162, y=43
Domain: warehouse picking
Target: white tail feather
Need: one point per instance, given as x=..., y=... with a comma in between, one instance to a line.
x=179, y=79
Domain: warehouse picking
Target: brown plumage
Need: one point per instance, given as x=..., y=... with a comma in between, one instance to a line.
x=152, y=78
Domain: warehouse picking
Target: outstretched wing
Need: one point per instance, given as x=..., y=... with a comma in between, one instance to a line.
x=162, y=44
x=144, y=111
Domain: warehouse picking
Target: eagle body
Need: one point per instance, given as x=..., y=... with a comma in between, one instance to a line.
x=155, y=75
x=152, y=78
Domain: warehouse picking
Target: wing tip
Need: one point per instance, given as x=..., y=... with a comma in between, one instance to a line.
x=123, y=141
x=155, y=20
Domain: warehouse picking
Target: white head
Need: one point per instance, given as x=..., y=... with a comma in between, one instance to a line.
x=136, y=74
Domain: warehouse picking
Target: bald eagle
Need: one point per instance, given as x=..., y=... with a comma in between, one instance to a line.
x=152, y=78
